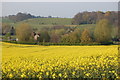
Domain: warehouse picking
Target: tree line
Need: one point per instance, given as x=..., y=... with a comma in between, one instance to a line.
x=102, y=34
x=94, y=17
x=24, y=16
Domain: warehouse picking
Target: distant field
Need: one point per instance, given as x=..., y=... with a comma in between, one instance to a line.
x=32, y=61
x=41, y=22
x=46, y=22
x=6, y=20
x=49, y=22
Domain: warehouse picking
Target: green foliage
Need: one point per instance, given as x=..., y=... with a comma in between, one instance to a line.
x=44, y=36
x=85, y=37
x=56, y=34
x=59, y=31
x=7, y=36
x=5, y=28
x=65, y=38
x=72, y=37
x=103, y=31
x=23, y=32
x=77, y=32
x=89, y=27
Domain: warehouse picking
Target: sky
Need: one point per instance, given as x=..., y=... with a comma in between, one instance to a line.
x=60, y=9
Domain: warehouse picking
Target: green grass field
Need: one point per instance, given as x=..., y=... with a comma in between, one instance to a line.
x=49, y=21
x=6, y=20
x=46, y=22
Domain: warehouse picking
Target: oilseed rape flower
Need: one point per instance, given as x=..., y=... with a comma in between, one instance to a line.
x=33, y=61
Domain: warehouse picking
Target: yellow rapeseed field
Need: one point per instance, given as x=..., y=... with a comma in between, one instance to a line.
x=34, y=61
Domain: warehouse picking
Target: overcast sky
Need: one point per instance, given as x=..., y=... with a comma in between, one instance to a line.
x=60, y=9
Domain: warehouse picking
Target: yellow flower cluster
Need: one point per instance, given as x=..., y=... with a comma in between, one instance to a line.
x=30, y=61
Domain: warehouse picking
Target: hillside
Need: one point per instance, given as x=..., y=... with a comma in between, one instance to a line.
x=49, y=21
x=41, y=23
x=46, y=22
x=6, y=20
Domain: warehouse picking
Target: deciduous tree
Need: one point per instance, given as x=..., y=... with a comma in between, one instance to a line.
x=103, y=31
x=23, y=32
x=85, y=37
